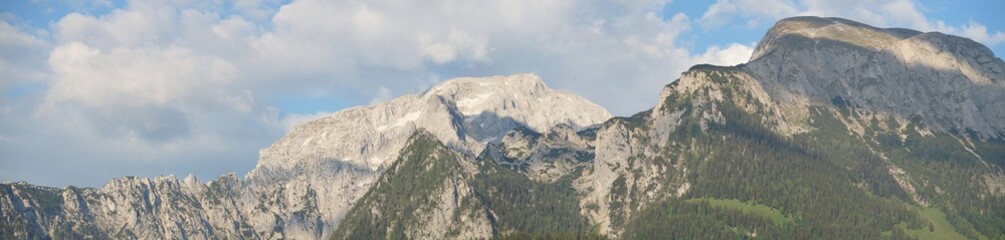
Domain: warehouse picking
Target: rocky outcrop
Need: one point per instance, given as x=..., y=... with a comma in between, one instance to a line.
x=544, y=157
x=127, y=208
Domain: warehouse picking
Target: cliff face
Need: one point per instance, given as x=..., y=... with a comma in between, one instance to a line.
x=130, y=208
x=953, y=84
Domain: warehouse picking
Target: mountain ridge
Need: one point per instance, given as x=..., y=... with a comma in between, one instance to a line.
x=845, y=140
x=308, y=180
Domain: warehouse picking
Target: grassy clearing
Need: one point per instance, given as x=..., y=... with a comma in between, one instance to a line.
x=940, y=227
x=775, y=215
x=943, y=229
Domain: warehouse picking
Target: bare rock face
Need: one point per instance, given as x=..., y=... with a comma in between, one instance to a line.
x=544, y=157
x=952, y=83
x=332, y=161
x=466, y=113
x=126, y=208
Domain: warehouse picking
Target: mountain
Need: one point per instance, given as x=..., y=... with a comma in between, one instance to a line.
x=332, y=161
x=950, y=83
x=833, y=130
x=428, y=172
x=849, y=130
x=306, y=182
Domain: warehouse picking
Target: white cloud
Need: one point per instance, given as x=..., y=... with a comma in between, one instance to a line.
x=457, y=44
x=383, y=94
x=979, y=32
x=22, y=58
x=901, y=13
x=121, y=28
x=134, y=76
x=257, y=10
x=723, y=11
x=731, y=55
x=148, y=93
x=293, y=120
x=61, y=150
x=576, y=47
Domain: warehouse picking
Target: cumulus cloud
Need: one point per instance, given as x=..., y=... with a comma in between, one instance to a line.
x=383, y=94
x=292, y=120
x=579, y=47
x=977, y=32
x=723, y=11
x=733, y=54
x=141, y=92
x=22, y=57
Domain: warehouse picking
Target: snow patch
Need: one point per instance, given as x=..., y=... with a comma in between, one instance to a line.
x=410, y=117
x=465, y=105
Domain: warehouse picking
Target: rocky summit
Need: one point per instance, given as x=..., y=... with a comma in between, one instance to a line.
x=833, y=130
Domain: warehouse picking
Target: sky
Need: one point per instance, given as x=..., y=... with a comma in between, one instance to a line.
x=97, y=89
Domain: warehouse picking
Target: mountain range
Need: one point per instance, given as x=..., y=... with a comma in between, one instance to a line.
x=832, y=130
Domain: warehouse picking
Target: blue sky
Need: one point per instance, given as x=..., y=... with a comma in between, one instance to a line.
x=97, y=89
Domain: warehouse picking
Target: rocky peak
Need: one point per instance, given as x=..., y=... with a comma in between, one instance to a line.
x=523, y=98
x=336, y=159
x=951, y=83
x=470, y=93
x=519, y=143
x=833, y=29
x=933, y=49
x=191, y=180
x=465, y=113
